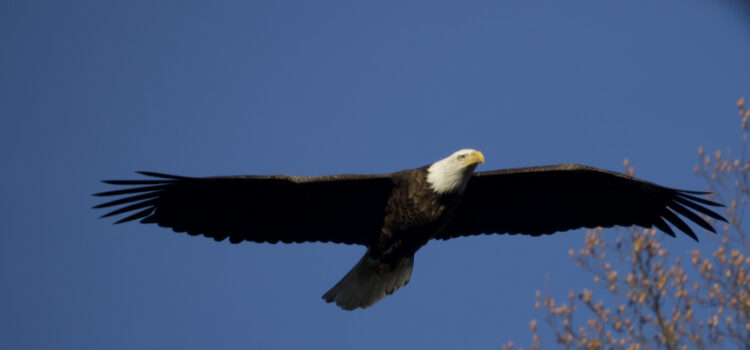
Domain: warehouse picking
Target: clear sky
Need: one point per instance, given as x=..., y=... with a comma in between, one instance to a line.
x=93, y=90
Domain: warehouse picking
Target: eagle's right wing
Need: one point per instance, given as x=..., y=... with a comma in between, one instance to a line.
x=342, y=209
x=548, y=199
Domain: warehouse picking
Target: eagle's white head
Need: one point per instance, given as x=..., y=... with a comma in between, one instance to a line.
x=451, y=174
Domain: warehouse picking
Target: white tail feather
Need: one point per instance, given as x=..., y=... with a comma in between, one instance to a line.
x=369, y=281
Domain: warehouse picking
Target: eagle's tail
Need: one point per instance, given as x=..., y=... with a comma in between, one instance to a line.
x=369, y=281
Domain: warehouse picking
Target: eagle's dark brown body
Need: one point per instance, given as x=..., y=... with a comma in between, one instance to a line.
x=414, y=214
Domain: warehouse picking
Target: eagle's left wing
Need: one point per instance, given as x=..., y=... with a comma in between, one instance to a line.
x=340, y=208
x=548, y=199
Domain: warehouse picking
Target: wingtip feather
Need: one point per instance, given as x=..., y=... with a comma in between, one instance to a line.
x=160, y=175
x=137, y=215
x=691, y=216
x=680, y=224
x=664, y=227
x=703, y=201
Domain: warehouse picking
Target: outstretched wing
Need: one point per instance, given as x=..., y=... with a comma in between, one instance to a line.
x=342, y=209
x=548, y=199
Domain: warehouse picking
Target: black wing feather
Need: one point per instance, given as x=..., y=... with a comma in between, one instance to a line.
x=147, y=203
x=130, y=190
x=125, y=200
x=675, y=220
x=692, y=216
x=137, y=215
x=699, y=208
x=343, y=209
x=662, y=225
x=545, y=200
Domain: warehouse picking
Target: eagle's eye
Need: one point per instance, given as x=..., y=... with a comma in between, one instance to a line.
x=461, y=156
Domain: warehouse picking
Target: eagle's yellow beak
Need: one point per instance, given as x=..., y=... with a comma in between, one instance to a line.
x=474, y=157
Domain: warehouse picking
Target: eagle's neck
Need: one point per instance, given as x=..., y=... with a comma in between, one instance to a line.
x=445, y=176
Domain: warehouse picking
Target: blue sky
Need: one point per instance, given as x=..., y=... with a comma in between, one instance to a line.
x=96, y=90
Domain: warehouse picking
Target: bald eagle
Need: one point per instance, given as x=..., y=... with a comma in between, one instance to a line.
x=395, y=214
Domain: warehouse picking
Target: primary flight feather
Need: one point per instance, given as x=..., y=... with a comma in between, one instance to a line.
x=395, y=214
